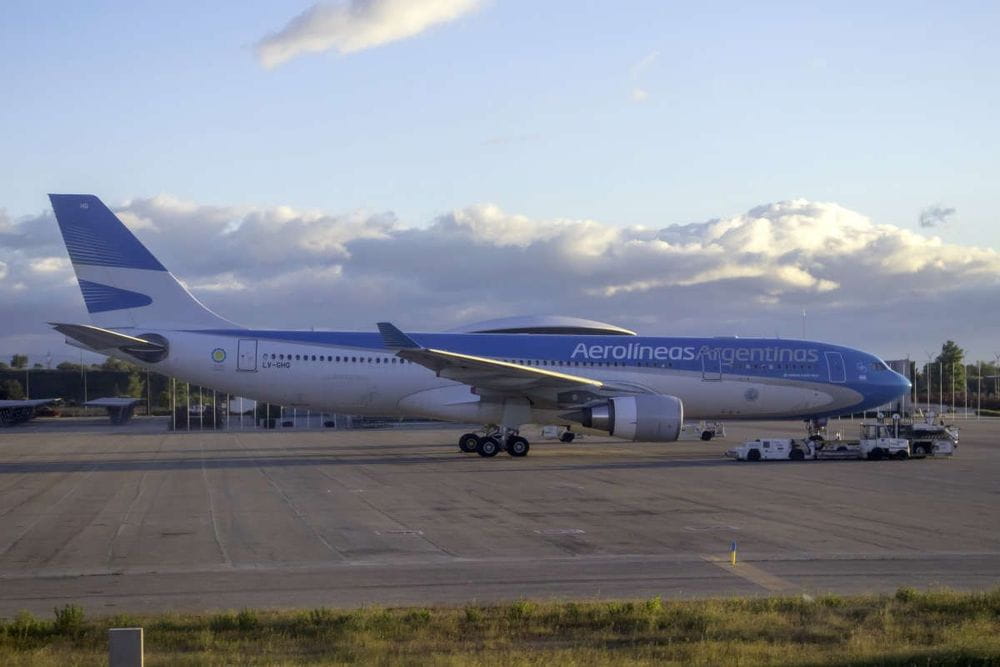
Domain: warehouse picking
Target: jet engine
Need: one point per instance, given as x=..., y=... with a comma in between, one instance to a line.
x=645, y=417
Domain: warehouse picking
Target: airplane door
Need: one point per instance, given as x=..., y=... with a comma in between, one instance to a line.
x=247, y=355
x=711, y=369
x=835, y=364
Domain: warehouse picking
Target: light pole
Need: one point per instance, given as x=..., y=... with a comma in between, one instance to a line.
x=940, y=387
x=996, y=376
x=927, y=377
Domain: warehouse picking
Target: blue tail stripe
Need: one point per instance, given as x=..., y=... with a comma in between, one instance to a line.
x=94, y=235
x=102, y=298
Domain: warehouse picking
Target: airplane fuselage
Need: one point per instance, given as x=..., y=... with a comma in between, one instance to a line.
x=353, y=372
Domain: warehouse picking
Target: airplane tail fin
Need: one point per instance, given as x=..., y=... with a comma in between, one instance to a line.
x=123, y=284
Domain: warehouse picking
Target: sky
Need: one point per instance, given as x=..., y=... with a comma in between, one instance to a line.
x=675, y=168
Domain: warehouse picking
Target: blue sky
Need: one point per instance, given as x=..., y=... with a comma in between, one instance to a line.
x=883, y=109
x=627, y=113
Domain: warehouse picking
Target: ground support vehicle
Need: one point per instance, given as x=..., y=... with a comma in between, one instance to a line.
x=702, y=431
x=930, y=437
x=878, y=441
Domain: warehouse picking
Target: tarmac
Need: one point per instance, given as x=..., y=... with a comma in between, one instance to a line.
x=136, y=519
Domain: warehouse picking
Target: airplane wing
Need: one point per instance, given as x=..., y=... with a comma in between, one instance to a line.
x=98, y=339
x=499, y=377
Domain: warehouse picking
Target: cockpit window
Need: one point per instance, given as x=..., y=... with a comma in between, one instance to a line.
x=878, y=366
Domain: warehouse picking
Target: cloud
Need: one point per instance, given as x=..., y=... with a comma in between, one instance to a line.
x=874, y=286
x=355, y=25
x=936, y=215
x=639, y=93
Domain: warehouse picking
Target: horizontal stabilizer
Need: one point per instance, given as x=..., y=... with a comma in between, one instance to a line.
x=99, y=339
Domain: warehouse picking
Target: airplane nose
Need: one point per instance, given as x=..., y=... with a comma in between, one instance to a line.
x=901, y=382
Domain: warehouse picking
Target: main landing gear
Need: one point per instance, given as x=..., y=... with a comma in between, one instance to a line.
x=493, y=441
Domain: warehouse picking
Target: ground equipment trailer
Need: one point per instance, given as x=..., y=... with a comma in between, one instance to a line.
x=877, y=442
x=929, y=437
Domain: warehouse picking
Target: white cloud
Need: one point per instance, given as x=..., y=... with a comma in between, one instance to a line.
x=639, y=93
x=49, y=264
x=862, y=283
x=355, y=25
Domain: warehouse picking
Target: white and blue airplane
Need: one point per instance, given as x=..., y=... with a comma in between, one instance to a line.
x=503, y=375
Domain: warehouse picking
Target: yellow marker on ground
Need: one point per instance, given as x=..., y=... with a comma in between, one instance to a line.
x=732, y=554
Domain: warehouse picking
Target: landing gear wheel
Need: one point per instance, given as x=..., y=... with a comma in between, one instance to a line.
x=706, y=435
x=468, y=443
x=567, y=436
x=488, y=447
x=517, y=446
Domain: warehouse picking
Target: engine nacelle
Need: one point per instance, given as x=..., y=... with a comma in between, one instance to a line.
x=645, y=417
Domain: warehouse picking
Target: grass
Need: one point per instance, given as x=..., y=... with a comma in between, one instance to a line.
x=908, y=628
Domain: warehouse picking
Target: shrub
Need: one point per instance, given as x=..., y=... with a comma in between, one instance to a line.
x=222, y=622
x=520, y=610
x=69, y=619
x=247, y=620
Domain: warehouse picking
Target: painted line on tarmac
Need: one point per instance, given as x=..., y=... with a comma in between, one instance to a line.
x=753, y=574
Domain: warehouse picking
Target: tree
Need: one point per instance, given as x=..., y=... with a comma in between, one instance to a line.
x=38, y=366
x=135, y=385
x=69, y=366
x=952, y=371
x=180, y=395
x=112, y=364
x=19, y=361
x=11, y=390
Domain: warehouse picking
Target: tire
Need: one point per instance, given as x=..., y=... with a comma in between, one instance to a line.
x=517, y=446
x=753, y=455
x=920, y=450
x=875, y=454
x=706, y=435
x=797, y=455
x=468, y=443
x=488, y=447
x=567, y=437
x=901, y=455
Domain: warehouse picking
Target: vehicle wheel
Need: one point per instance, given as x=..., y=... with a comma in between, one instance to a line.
x=797, y=455
x=920, y=450
x=753, y=455
x=468, y=443
x=875, y=454
x=901, y=455
x=706, y=435
x=567, y=436
x=488, y=447
x=517, y=446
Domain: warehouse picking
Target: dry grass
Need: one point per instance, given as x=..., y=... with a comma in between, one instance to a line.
x=907, y=628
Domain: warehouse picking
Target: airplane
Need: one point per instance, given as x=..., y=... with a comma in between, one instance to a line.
x=548, y=371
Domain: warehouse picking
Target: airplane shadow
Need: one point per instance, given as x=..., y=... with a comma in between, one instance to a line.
x=502, y=465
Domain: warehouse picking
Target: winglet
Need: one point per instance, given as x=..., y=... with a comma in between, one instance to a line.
x=394, y=339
